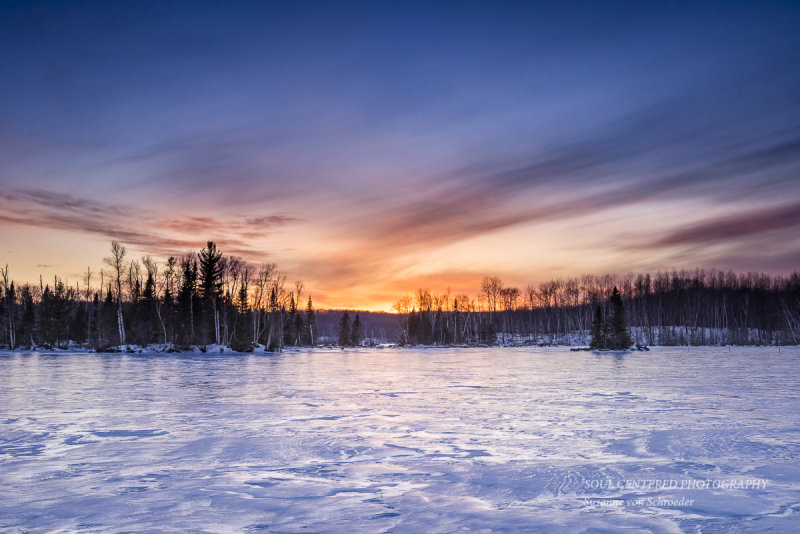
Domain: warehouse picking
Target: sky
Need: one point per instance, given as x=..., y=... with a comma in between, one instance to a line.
x=370, y=148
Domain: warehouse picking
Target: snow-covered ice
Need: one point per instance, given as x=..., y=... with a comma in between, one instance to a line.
x=670, y=440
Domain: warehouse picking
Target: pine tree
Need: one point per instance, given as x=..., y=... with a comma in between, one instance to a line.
x=147, y=311
x=54, y=314
x=243, y=327
x=344, y=331
x=28, y=317
x=599, y=340
x=413, y=327
x=290, y=332
x=425, y=332
x=94, y=340
x=620, y=339
x=357, y=332
x=211, y=265
x=186, y=301
x=310, y=325
x=77, y=321
x=275, y=321
x=11, y=315
x=109, y=333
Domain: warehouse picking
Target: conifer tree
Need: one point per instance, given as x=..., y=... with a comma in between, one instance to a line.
x=186, y=299
x=599, y=340
x=76, y=319
x=210, y=260
x=344, y=331
x=94, y=339
x=310, y=325
x=243, y=327
x=11, y=315
x=357, y=332
x=290, y=332
x=620, y=339
x=54, y=314
x=275, y=326
x=147, y=311
x=413, y=327
x=109, y=333
x=28, y=317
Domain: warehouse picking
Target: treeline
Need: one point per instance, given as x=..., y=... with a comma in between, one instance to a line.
x=198, y=299
x=205, y=297
x=701, y=307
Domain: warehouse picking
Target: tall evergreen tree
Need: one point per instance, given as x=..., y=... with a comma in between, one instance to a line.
x=298, y=328
x=109, y=333
x=54, y=314
x=275, y=320
x=186, y=301
x=620, y=339
x=310, y=325
x=94, y=338
x=147, y=311
x=28, y=317
x=243, y=327
x=77, y=320
x=357, y=332
x=290, y=332
x=211, y=265
x=413, y=327
x=11, y=315
x=344, y=330
x=599, y=339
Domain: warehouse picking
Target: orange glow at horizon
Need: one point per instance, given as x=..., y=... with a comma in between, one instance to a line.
x=343, y=267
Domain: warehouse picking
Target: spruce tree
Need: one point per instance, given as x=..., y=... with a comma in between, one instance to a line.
x=54, y=314
x=344, y=331
x=413, y=327
x=77, y=322
x=243, y=327
x=357, y=332
x=109, y=333
x=211, y=265
x=620, y=339
x=11, y=316
x=599, y=340
x=309, y=326
x=147, y=311
x=186, y=301
x=94, y=340
x=28, y=317
x=290, y=332
x=275, y=321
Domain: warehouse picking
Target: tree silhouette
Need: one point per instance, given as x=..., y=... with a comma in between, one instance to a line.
x=357, y=332
x=344, y=331
x=618, y=328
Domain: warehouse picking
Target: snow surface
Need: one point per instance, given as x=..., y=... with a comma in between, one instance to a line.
x=402, y=441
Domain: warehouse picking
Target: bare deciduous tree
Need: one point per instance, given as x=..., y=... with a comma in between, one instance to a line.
x=116, y=263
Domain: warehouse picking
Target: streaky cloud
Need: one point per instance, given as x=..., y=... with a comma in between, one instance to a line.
x=732, y=227
x=59, y=211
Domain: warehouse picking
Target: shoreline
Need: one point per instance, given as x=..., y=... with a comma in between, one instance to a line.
x=223, y=349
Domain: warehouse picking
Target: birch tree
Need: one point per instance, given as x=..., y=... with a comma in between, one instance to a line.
x=116, y=262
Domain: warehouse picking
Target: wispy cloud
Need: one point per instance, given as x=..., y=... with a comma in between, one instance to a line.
x=139, y=228
x=733, y=227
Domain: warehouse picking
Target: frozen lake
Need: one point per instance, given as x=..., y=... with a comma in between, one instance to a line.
x=402, y=441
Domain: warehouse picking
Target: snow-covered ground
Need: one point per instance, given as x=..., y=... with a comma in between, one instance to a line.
x=699, y=439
